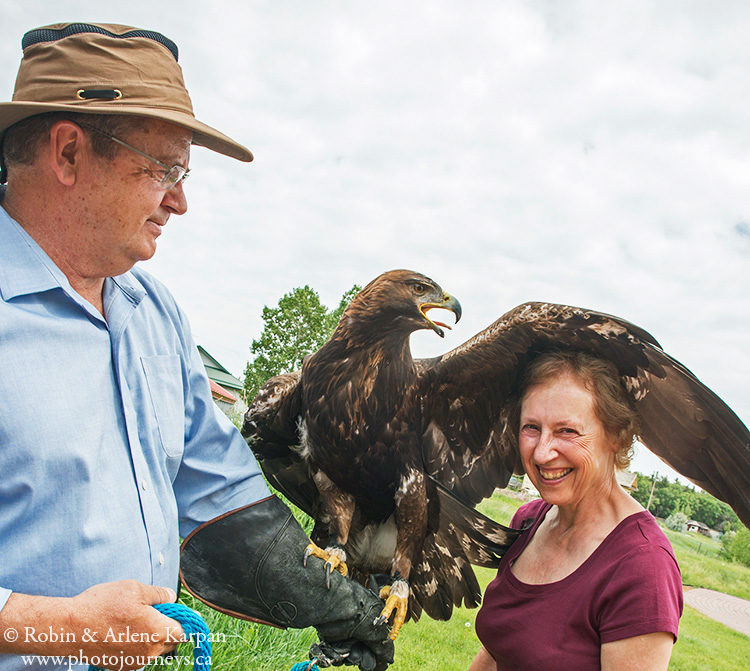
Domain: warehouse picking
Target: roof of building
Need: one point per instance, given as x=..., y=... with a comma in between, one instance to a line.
x=217, y=391
x=218, y=373
x=700, y=525
x=626, y=479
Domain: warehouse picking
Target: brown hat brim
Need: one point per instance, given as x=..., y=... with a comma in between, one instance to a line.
x=74, y=67
x=203, y=135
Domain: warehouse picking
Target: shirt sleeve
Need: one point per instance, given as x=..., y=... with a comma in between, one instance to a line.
x=643, y=596
x=4, y=596
x=218, y=472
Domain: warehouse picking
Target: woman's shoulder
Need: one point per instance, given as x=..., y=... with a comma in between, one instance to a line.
x=639, y=535
x=643, y=526
x=527, y=514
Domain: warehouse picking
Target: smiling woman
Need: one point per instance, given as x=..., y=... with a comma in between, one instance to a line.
x=592, y=572
x=588, y=416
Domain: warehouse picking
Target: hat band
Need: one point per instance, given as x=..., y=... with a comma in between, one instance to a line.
x=52, y=35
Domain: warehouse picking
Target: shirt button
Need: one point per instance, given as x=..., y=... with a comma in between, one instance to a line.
x=144, y=486
x=161, y=558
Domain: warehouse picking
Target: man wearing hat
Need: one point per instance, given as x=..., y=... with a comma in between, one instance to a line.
x=110, y=445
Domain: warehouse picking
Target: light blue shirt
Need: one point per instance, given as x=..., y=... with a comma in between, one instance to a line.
x=110, y=444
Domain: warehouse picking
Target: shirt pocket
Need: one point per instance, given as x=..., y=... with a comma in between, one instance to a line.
x=164, y=381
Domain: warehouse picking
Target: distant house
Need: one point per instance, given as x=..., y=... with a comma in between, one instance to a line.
x=225, y=399
x=701, y=528
x=627, y=480
x=225, y=388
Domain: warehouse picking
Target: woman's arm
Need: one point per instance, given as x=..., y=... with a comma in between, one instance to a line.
x=483, y=661
x=649, y=652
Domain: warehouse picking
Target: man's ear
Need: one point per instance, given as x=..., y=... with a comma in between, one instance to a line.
x=67, y=144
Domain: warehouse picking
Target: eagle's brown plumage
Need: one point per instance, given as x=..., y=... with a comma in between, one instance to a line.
x=389, y=455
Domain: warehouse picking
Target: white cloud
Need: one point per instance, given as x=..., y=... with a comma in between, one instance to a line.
x=589, y=153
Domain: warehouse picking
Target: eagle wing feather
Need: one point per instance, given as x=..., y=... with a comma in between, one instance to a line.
x=271, y=430
x=467, y=393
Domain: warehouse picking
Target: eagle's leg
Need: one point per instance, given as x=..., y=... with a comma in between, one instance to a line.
x=411, y=523
x=396, y=597
x=340, y=508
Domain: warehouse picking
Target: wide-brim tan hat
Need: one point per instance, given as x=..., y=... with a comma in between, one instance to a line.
x=107, y=69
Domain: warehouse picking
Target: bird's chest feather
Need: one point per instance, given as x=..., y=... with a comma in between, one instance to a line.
x=353, y=454
x=361, y=433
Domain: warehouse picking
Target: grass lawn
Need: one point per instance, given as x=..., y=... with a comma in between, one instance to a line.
x=701, y=566
x=703, y=643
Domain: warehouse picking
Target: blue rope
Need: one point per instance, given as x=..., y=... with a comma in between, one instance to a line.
x=194, y=626
x=303, y=666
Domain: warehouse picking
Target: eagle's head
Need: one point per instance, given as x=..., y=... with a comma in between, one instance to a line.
x=398, y=301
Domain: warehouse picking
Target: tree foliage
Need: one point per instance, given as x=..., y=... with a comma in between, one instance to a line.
x=677, y=522
x=296, y=327
x=736, y=545
x=672, y=497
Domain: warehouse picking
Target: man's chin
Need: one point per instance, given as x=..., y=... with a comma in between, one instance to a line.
x=144, y=253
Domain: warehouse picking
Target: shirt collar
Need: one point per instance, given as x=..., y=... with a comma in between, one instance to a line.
x=25, y=268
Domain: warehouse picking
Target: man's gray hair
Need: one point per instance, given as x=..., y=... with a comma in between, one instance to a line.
x=22, y=141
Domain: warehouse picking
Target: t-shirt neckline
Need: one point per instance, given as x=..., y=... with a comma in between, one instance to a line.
x=576, y=574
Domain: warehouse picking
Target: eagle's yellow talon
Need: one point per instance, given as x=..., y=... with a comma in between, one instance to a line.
x=335, y=560
x=396, y=598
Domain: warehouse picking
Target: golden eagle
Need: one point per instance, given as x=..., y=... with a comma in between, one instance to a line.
x=389, y=454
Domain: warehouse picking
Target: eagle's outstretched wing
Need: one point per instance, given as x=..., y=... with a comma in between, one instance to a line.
x=466, y=396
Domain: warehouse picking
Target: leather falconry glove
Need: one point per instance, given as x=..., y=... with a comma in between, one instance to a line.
x=248, y=564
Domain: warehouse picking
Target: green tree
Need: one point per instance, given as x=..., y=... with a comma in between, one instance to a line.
x=736, y=545
x=643, y=489
x=298, y=326
x=666, y=498
x=728, y=518
x=673, y=497
x=686, y=499
x=707, y=509
x=334, y=316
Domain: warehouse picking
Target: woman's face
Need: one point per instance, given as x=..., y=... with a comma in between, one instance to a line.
x=565, y=450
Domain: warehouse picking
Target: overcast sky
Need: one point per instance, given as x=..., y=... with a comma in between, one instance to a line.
x=589, y=153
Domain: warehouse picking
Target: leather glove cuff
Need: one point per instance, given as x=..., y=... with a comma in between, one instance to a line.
x=248, y=563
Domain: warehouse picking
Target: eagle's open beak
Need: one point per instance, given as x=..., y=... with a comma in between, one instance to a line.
x=449, y=303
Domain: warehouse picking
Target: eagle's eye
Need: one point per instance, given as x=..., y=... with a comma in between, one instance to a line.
x=419, y=289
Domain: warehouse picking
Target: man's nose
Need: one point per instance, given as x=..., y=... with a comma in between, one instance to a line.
x=175, y=200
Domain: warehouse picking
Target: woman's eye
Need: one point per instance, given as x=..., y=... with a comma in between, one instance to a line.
x=529, y=427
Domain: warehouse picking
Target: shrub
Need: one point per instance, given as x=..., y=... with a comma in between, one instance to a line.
x=677, y=522
x=736, y=546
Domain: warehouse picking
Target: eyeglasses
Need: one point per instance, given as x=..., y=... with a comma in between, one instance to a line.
x=172, y=175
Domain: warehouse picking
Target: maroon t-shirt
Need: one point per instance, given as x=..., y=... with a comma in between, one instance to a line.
x=630, y=585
